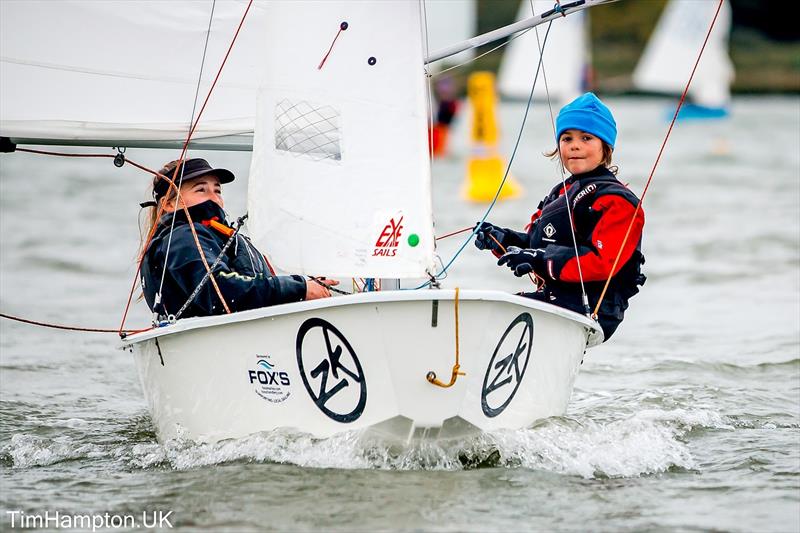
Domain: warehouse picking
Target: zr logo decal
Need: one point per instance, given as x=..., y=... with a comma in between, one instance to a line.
x=337, y=368
x=504, y=376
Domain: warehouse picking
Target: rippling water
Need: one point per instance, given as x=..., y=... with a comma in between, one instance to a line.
x=689, y=418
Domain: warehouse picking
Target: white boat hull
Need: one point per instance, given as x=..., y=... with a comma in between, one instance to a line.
x=360, y=363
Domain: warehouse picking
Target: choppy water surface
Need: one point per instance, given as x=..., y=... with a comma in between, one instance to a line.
x=689, y=418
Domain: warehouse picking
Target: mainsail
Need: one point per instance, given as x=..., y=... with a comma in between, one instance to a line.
x=125, y=73
x=339, y=181
x=672, y=49
x=340, y=176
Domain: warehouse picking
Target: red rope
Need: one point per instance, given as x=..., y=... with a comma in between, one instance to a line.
x=71, y=328
x=321, y=63
x=658, y=158
x=64, y=154
x=121, y=331
x=469, y=228
x=174, y=176
x=216, y=79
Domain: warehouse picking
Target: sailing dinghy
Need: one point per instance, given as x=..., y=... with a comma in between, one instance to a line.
x=669, y=53
x=343, y=108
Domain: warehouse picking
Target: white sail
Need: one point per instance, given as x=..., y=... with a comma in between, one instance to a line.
x=448, y=22
x=672, y=50
x=566, y=58
x=340, y=180
x=121, y=70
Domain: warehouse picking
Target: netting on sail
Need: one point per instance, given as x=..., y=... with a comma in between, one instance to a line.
x=308, y=129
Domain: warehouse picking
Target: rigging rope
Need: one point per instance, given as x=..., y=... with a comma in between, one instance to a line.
x=180, y=166
x=658, y=158
x=431, y=376
x=584, y=297
x=505, y=175
x=71, y=328
x=180, y=179
x=160, y=210
x=208, y=274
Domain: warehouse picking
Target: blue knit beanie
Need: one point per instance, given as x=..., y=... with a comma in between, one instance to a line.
x=587, y=113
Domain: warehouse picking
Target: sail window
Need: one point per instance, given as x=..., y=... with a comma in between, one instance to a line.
x=308, y=129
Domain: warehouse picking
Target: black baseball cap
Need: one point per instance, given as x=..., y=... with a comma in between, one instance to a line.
x=192, y=168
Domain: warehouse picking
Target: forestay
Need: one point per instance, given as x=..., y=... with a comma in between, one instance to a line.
x=340, y=177
x=668, y=58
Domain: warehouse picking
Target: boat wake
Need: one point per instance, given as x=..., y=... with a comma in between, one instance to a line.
x=647, y=442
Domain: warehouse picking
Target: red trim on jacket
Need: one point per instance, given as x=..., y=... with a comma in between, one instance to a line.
x=606, y=239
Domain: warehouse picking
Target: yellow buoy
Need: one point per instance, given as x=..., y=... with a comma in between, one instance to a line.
x=485, y=168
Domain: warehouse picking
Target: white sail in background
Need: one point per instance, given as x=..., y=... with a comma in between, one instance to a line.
x=121, y=70
x=672, y=50
x=566, y=57
x=448, y=22
x=340, y=181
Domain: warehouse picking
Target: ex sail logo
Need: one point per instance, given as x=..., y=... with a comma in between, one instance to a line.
x=389, y=238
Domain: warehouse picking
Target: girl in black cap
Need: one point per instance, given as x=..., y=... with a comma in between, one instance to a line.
x=172, y=268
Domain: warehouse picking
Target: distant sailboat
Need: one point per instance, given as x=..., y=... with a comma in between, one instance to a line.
x=566, y=58
x=670, y=54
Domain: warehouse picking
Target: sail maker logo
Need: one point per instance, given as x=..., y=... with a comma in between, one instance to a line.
x=387, y=242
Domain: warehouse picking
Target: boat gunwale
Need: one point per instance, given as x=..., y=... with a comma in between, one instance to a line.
x=595, y=335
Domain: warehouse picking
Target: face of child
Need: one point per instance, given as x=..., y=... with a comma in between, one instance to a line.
x=197, y=191
x=580, y=151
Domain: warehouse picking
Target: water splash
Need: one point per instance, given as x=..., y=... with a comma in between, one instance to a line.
x=25, y=451
x=650, y=441
x=647, y=442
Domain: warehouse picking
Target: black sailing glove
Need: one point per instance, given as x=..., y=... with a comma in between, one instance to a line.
x=523, y=261
x=488, y=236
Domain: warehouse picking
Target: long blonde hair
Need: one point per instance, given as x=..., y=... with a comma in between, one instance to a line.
x=151, y=219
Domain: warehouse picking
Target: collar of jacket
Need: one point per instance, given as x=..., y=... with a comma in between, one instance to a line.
x=200, y=212
x=600, y=171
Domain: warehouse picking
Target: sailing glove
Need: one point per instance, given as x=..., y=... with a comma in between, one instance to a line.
x=523, y=261
x=488, y=236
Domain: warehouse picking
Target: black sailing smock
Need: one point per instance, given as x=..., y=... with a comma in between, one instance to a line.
x=602, y=209
x=242, y=275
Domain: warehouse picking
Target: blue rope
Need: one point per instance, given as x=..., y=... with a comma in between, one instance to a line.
x=508, y=168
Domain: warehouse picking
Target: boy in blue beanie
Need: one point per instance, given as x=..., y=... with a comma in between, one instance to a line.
x=593, y=204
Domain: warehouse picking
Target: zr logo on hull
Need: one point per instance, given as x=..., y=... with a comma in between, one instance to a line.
x=331, y=371
x=504, y=375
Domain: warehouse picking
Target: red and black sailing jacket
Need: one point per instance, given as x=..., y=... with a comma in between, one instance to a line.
x=602, y=209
